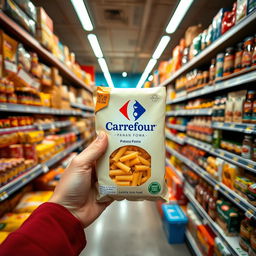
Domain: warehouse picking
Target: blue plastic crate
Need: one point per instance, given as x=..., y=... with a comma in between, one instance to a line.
x=174, y=222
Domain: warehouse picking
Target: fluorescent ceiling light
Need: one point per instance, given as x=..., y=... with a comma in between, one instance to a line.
x=150, y=78
x=104, y=68
x=82, y=14
x=148, y=69
x=161, y=46
x=178, y=15
x=124, y=74
x=95, y=45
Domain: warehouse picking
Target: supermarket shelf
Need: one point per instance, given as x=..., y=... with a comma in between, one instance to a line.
x=177, y=172
x=177, y=127
x=241, y=202
x=16, y=129
x=25, y=178
x=47, y=126
x=232, y=36
x=192, y=244
x=230, y=157
x=8, y=107
x=232, y=243
x=83, y=107
x=174, y=138
x=190, y=112
x=44, y=54
x=219, y=86
x=245, y=128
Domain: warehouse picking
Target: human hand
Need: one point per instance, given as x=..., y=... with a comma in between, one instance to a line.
x=76, y=190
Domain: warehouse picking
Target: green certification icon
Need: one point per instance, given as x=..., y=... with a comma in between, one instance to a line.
x=154, y=188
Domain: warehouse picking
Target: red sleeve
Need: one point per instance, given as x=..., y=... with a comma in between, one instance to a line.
x=51, y=230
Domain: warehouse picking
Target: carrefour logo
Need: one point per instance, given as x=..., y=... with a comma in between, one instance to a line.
x=132, y=110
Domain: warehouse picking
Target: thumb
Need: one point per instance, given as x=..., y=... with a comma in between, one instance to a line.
x=96, y=149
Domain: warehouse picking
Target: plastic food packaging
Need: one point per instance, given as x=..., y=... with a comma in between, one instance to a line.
x=229, y=20
x=251, y=6
x=133, y=166
x=28, y=7
x=241, y=9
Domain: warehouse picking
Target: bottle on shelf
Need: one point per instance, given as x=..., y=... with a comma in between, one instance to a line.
x=247, y=147
x=248, y=106
x=238, y=57
x=248, y=52
x=212, y=71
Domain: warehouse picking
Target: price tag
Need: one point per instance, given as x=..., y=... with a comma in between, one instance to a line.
x=41, y=110
x=24, y=180
x=222, y=153
x=235, y=159
x=3, y=106
x=53, y=126
x=220, y=124
x=217, y=187
x=45, y=168
x=3, y=195
x=249, y=213
x=250, y=166
x=40, y=127
x=205, y=221
x=237, y=200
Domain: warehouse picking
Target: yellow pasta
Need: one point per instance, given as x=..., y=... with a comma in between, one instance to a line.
x=128, y=157
x=120, y=152
x=129, y=166
x=139, y=168
x=123, y=167
x=144, y=161
x=124, y=178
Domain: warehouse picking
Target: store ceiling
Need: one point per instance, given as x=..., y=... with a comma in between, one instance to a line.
x=128, y=30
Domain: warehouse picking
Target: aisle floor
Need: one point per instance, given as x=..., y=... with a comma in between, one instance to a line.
x=130, y=229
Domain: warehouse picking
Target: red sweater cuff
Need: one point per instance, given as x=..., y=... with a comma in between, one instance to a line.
x=55, y=230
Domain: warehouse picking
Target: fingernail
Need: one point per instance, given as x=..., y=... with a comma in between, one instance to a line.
x=100, y=136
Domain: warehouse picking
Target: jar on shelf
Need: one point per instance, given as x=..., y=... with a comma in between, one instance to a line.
x=247, y=147
x=228, y=66
x=212, y=71
x=238, y=57
x=248, y=52
x=254, y=53
x=219, y=66
x=248, y=107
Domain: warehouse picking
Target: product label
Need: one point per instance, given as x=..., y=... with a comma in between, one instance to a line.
x=246, y=151
x=247, y=59
x=134, y=162
x=247, y=111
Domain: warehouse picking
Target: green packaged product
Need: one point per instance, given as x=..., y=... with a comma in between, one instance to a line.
x=241, y=185
x=228, y=218
x=251, y=194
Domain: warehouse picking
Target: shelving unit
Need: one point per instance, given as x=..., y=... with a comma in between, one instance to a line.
x=242, y=203
x=192, y=244
x=190, y=112
x=219, y=86
x=230, y=157
x=178, y=127
x=34, y=172
x=19, y=108
x=229, y=38
x=174, y=138
x=44, y=54
x=244, y=128
x=82, y=107
x=232, y=243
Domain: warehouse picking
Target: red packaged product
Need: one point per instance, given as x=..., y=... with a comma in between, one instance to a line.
x=229, y=20
x=16, y=151
x=30, y=151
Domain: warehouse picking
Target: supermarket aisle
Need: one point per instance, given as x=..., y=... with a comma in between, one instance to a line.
x=130, y=229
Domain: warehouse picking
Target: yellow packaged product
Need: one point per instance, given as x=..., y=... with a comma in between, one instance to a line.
x=3, y=236
x=133, y=166
x=12, y=221
x=32, y=200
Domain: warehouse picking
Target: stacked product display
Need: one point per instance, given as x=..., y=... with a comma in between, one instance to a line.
x=210, y=131
x=46, y=105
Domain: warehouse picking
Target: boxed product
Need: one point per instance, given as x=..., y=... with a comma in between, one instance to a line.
x=28, y=7
x=32, y=200
x=220, y=249
x=43, y=20
x=229, y=174
x=8, y=51
x=205, y=240
x=228, y=217
x=251, y=6
x=241, y=9
x=16, y=13
x=133, y=166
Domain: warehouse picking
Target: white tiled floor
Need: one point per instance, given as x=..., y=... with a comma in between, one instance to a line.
x=130, y=229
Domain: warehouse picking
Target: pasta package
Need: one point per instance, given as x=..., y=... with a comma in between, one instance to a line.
x=133, y=166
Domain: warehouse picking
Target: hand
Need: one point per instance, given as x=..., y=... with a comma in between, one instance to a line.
x=76, y=190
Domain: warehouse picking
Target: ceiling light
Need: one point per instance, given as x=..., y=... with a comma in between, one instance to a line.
x=124, y=74
x=150, y=78
x=104, y=68
x=82, y=14
x=161, y=46
x=148, y=69
x=178, y=15
x=95, y=45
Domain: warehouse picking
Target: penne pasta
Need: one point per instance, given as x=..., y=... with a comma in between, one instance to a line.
x=120, y=152
x=123, y=167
